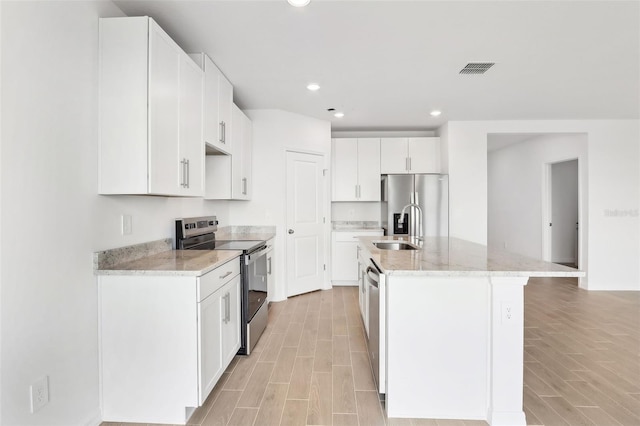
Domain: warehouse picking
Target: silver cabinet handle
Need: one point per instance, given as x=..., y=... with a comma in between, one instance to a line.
x=269, y=266
x=291, y=231
x=359, y=191
x=183, y=172
x=224, y=132
x=228, y=308
x=221, y=138
x=188, y=174
x=409, y=163
x=224, y=314
x=226, y=275
x=244, y=186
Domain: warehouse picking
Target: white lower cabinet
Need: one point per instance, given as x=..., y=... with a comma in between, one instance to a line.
x=270, y=261
x=165, y=341
x=344, y=256
x=219, y=334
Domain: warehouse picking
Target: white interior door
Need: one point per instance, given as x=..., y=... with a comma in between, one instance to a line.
x=305, y=237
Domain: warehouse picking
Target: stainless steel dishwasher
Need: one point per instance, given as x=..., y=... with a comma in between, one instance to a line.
x=376, y=282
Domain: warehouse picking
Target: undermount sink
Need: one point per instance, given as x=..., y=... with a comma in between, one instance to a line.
x=394, y=245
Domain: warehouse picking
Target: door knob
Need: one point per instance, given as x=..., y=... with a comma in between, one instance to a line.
x=291, y=231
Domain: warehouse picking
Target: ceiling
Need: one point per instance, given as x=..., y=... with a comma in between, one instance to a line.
x=387, y=64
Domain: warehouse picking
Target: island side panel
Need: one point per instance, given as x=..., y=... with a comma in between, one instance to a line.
x=437, y=347
x=507, y=347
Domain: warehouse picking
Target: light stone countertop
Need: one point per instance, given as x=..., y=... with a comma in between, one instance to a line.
x=455, y=257
x=261, y=236
x=173, y=263
x=356, y=225
x=246, y=233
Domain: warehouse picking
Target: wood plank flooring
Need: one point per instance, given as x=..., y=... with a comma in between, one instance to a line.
x=311, y=366
x=581, y=355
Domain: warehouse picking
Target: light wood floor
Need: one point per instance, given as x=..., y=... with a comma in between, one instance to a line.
x=311, y=365
x=582, y=355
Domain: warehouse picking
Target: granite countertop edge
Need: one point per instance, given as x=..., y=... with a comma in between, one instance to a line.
x=173, y=263
x=460, y=259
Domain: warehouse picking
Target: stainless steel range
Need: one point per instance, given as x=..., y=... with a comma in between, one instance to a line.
x=198, y=233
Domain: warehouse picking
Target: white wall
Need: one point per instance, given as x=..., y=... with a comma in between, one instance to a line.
x=614, y=187
x=565, y=205
x=515, y=190
x=355, y=211
x=52, y=218
x=275, y=132
x=465, y=160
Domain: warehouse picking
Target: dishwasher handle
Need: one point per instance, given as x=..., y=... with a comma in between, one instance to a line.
x=373, y=277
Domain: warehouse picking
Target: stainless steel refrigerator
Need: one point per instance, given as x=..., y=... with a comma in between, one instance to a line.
x=429, y=191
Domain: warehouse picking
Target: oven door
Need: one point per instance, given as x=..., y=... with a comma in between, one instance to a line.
x=256, y=264
x=255, y=292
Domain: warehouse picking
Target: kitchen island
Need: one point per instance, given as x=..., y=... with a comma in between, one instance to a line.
x=452, y=314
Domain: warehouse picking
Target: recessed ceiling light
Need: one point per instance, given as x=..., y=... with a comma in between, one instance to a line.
x=339, y=114
x=435, y=113
x=298, y=3
x=313, y=87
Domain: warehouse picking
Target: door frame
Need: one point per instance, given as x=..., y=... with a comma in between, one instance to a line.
x=547, y=209
x=326, y=209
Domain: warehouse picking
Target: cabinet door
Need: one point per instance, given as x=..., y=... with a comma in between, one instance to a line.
x=394, y=157
x=247, y=157
x=210, y=328
x=369, y=169
x=165, y=165
x=191, y=144
x=225, y=104
x=345, y=169
x=345, y=263
x=231, y=320
x=270, y=273
x=237, y=152
x=424, y=155
x=211, y=115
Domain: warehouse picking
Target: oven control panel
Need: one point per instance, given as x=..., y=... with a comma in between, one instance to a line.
x=191, y=227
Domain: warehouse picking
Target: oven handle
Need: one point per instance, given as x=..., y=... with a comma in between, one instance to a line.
x=256, y=255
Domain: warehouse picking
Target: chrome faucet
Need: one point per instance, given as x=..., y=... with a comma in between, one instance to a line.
x=419, y=237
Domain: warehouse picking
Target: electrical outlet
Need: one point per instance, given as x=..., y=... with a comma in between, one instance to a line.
x=507, y=313
x=127, y=226
x=39, y=393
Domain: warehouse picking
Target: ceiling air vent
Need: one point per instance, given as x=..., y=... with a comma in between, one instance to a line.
x=476, y=67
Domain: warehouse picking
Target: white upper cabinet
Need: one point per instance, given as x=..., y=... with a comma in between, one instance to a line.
x=241, y=157
x=356, y=169
x=410, y=155
x=217, y=102
x=229, y=177
x=150, y=131
x=191, y=152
